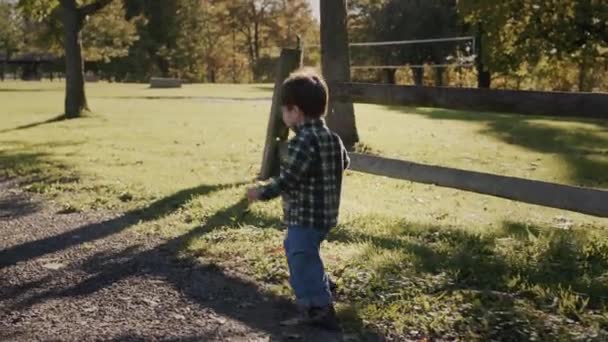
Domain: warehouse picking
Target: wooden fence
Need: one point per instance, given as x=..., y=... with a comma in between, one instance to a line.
x=580, y=105
x=583, y=200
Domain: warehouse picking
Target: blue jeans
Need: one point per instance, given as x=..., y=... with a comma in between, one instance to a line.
x=306, y=274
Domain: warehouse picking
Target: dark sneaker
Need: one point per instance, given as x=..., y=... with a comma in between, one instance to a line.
x=324, y=318
x=300, y=319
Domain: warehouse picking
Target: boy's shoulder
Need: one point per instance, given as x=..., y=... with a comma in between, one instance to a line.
x=302, y=140
x=315, y=135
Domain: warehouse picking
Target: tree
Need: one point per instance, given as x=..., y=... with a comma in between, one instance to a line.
x=497, y=29
x=252, y=19
x=186, y=57
x=198, y=40
x=362, y=28
x=293, y=18
x=575, y=31
x=212, y=40
x=105, y=36
x=108, y=35
x=74, y=16
x=157, y=32
x=269, y=23
x=11, y=33
x=202, y=40
x=549, y=31
x=390, y=20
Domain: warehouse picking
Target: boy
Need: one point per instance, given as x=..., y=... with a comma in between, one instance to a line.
x=310, y=183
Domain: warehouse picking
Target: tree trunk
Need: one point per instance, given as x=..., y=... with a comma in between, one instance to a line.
x=7, y=56
x=256, y=51
x=390, y=76
x=75, y=99
x=233, y=55
x=484, y=78
x=439, y=72
x=161, y=63
x=583, y=74
x=211, y=75
x=251, y=50
x=335, y=61
x=418, y=74
x=256, y=40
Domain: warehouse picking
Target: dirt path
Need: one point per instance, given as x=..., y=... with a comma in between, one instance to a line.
x=85, y=276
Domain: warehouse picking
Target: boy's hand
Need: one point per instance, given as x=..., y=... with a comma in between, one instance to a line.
x=253, y=195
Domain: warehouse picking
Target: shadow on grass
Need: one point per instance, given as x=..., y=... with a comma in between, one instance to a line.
x=207, y=285
x=535, y=255
x=509, y=279
x=57, y=118
x=100, y=230
x=585, y=152
x=35, y=171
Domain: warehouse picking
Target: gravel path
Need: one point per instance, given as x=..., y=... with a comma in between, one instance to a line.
x=85, y=276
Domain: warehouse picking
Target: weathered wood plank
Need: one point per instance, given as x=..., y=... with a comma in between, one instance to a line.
x=290, y=60
x=584, y=105
x=582, y=200
x=335, y=62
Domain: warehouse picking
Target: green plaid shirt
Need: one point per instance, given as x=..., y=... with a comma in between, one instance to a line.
x=310, y=180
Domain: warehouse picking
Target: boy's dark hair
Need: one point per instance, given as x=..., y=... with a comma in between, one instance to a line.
x=307, y=90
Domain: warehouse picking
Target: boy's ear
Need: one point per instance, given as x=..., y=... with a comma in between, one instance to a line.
x=298, y=110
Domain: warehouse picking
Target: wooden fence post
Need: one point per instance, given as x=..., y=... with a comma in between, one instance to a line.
x=335, y=62
x=277, y=132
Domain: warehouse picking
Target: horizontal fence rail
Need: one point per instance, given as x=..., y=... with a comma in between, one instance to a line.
x=582, y=200
x=582, y=105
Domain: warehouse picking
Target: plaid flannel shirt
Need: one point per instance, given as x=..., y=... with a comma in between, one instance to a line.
x=310, y=179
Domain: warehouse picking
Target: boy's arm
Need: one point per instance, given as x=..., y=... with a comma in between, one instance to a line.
x=345, y=158
x=299, y=156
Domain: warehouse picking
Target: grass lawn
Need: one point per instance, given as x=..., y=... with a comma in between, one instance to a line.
x=410, y=259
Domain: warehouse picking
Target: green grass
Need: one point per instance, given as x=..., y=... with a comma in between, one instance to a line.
x=409, y=258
